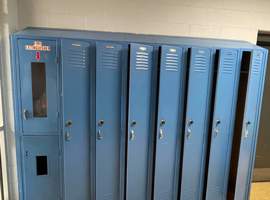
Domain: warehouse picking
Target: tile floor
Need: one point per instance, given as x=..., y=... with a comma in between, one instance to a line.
x=260, y=191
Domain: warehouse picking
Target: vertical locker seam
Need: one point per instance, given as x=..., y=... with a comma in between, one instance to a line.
x=155, y=120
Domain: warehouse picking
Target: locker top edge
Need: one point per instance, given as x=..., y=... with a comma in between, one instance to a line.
x=131, y=37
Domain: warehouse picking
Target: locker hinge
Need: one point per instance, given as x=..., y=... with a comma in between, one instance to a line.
x=60, y=152
x=57, y=60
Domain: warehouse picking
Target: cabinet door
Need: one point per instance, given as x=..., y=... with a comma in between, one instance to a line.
x=41, y=167
x=169, y=122
x=39, y=86
x=110, y=66
x=76, y=102
x=196, y=130
x=250, y=124
x=223, y=124
x=139, y=131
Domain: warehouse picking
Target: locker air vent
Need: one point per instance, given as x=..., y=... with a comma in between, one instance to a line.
x=228, y=62
x=200, y=63
x=142, y=60
x=257, y=63
x=76, y=57
x=172, y=62
x=110, y=57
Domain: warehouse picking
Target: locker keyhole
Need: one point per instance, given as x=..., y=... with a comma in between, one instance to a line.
x=133, y=123
x=101, y=123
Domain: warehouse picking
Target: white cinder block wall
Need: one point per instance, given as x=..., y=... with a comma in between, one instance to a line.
x=230, y=19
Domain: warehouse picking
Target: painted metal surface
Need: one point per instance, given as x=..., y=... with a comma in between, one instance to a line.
x=46, y=186
x=109, y=66
x=169, y=122
x=223, y=124
x=196, y=130
x=109, y=132
x=30, y=124
x=76, y=130
x=139, y=131
x=250, y=125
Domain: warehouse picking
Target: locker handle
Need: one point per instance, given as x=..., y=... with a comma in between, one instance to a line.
x=189, y=131
x=218, y=122
x=161, y=134
x=99, y=135
x=246, y=129
x=67, y=136
x=132, y=135
x=26, y=114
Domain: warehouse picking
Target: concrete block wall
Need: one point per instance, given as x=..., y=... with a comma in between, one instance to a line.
x=231, y=19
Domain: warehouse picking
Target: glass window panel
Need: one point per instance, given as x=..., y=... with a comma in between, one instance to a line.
x=39, y=89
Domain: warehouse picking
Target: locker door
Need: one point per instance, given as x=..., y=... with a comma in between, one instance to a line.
x=110, y=68
x=198, y=99
x=139, y=133
x=250, y=125
x=39, y=92
x=170, y=110
x=41, y=167
x=76, y=101
x=223, y=124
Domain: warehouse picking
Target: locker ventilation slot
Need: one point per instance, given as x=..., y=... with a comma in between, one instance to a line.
x=142, y=60
x=172, y=62
x=77, y=57
x=257, y=63
x=200, y=63
x=110, y=59
x=228, y=63
x=42, y=165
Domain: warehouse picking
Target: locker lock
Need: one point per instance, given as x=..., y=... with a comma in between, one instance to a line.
x=133, y=123
x=68, y=123
x=100, y=122
x=162, y=122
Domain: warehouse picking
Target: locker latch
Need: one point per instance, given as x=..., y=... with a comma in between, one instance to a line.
x=161, y=132
x=132, y=131
x=189, y=124
x=99, y=134
x=68, y=124
x=216, y=130
x=26, y=114
x=246, y=129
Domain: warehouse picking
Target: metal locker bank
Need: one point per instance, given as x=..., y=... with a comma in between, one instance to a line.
x=119, y=116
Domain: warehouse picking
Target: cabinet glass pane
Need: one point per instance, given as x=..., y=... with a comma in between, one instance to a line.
x=39, y=95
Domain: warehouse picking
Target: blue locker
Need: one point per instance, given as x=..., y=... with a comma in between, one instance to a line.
x=41, y=167
x=196, y=130
x=76, y=130
x=139, y=125
x=223, y=124
x=250, y=124
x=169, y=122
x=38, y=86
x=110, y=65
x=110, y=120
